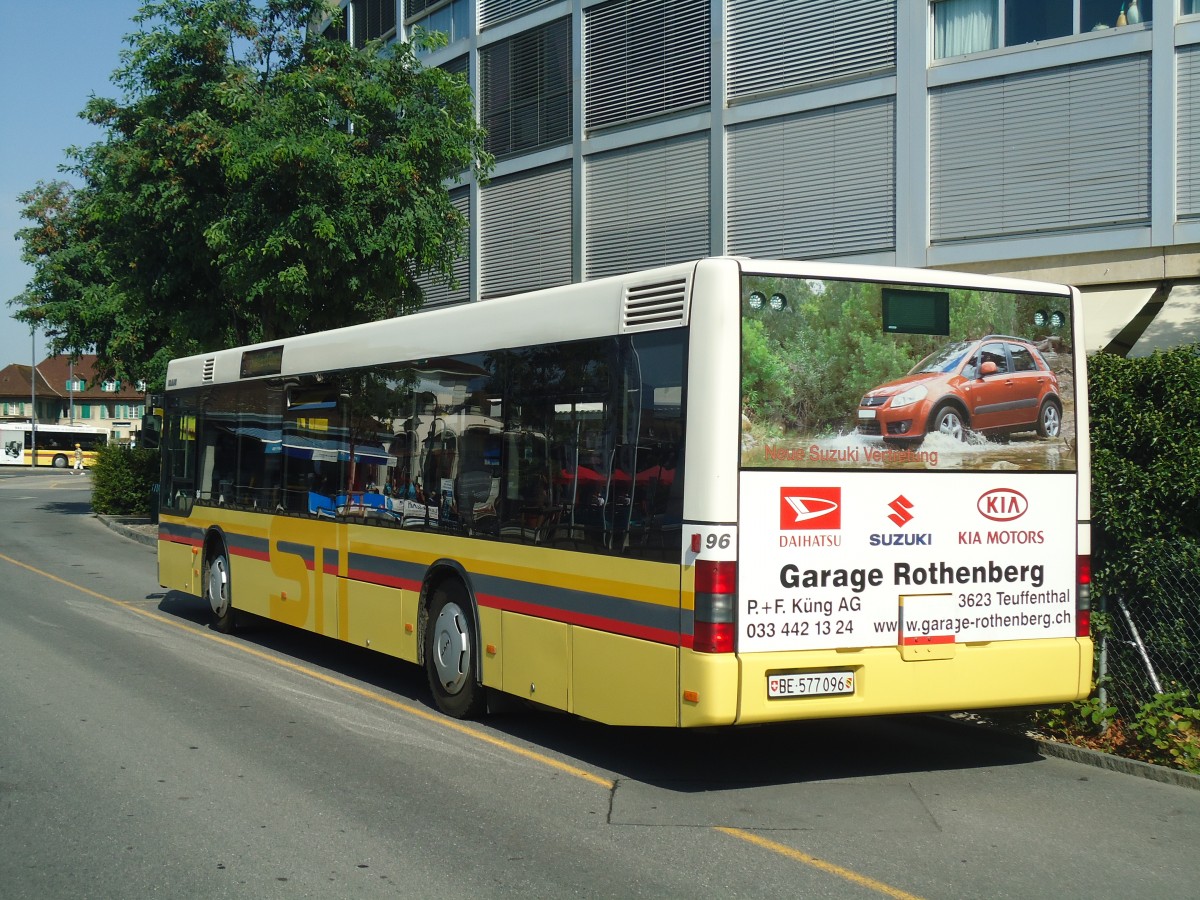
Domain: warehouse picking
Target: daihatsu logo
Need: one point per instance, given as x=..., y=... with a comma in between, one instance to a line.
x=1002, y=504
x=811, y=508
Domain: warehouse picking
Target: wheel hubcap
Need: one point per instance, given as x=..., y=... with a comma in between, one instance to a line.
x=951, y=426
x=451, y=648
x=1051, y=421
x=218, y=586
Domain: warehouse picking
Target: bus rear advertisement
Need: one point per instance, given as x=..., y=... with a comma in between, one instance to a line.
x=717, y=493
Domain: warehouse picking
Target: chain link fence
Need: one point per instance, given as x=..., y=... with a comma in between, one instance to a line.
x=1150, y=643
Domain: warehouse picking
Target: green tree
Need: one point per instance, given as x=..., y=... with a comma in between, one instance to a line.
x=256, y=180
x=1145, y=467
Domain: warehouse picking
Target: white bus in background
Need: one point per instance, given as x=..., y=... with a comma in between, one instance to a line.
x=55, y=444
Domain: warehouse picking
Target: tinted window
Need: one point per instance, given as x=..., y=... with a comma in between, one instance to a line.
x=1022, y=359
x=994, y=353
x=575, y=445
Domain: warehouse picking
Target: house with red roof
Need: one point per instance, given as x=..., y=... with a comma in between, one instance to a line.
x=59, y=392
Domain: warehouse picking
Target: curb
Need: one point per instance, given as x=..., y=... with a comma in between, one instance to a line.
x=1134, y=767
x=1069, y=752
x=122, y=526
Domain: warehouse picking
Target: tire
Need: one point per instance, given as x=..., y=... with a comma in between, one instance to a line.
x=452, y=653
x=949, y=420
x=218, y=593
x=60, y=462
x=1049, y=423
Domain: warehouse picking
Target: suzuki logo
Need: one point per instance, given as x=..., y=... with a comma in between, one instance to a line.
x=810, y=508
x=1002, y=504
x=900, y=511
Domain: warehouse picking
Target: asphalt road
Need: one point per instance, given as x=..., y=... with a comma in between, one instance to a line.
x=144, y=755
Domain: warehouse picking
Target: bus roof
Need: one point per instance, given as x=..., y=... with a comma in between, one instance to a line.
x=642, y=301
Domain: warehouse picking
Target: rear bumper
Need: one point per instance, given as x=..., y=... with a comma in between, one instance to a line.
x=977, y=676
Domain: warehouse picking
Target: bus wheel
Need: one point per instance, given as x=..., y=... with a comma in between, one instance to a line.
x=949, y=421
x=216, y=590
x=60, y=461
x=451, y=657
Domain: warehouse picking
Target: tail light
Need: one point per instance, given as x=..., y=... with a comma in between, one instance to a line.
x=713, y=626
x=1083, y=596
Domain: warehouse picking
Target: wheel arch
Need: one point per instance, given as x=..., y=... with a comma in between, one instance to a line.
x=214, y=539
x=942, y=402
x=440, y=572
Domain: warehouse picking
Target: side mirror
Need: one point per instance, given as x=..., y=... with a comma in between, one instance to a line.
x=988, y=368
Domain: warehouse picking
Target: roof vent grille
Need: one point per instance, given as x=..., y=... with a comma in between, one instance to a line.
x=651, y=306
x=210, y=366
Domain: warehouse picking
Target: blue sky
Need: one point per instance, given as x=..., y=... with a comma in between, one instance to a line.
x=58, y=53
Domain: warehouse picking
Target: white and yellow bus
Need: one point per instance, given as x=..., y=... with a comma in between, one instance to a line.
x=717, y=493
x=55, y=444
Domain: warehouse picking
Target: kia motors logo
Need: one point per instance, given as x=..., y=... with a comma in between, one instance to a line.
x=1002, y=504
x=900, y=511
x=810, y=508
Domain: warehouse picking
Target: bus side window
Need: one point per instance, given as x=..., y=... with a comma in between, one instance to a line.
x=179, y=454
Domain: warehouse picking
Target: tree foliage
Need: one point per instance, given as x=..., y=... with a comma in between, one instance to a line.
x=255, y=180
x=1145, y=468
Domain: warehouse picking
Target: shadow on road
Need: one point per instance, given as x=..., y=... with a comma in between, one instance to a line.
x=68, y=507
x=686, y=761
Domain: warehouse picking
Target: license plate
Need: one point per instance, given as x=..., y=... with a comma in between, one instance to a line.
x=866, y=413
x=810, y=684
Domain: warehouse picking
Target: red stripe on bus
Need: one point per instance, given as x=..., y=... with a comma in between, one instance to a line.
x=927, y=639
x=250, y=554
x=600, y=623
x=382, y=580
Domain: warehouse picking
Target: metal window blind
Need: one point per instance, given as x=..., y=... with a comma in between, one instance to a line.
x=372, y=19
x=525, y=231
x=526, y=96
x=1187, y=151
x=816, y=184
x=785, y=44
x=1041, y=151
x=456, y=66
x=416, y=7
x=440, y=293
x=647, y=205
x=493, y=12
x=645, y=57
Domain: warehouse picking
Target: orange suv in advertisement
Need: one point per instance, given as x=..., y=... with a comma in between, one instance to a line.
x=993, y=385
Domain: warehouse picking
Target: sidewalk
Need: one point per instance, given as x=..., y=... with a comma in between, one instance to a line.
x=137, y=528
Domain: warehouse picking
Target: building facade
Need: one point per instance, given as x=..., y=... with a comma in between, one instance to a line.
x=1052, y=139
x=59, y=392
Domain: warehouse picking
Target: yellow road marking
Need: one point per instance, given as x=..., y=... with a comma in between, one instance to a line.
x=435, y=718
x=469, y=731
x=832, y=868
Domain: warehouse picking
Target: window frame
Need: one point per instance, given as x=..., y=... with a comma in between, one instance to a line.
x=1002, y=40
